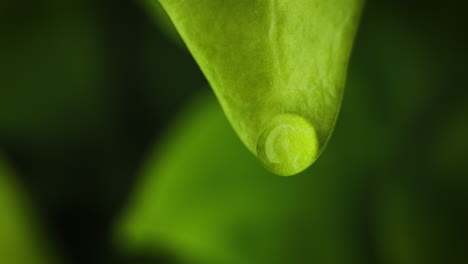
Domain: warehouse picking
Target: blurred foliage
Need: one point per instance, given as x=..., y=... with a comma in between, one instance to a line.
x=84, y=87
x=221, y=206
x=87, y=89
x=21, y=240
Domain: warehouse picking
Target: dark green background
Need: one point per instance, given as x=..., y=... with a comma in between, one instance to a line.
x=89, y=88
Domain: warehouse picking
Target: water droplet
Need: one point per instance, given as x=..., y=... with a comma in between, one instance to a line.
x=288, y=145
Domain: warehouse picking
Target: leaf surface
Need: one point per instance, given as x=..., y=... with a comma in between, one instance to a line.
x=278, y=69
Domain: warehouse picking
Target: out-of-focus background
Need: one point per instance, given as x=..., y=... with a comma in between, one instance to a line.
x=113, y=148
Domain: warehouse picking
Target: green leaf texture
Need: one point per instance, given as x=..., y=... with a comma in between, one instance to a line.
x=278, y=69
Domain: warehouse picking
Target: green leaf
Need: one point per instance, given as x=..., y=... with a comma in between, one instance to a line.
x=278, y=69
x=20, y=238
x=203, y=199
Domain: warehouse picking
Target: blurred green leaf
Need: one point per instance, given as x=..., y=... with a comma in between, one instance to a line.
x=21, y=240
x=203, y=199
